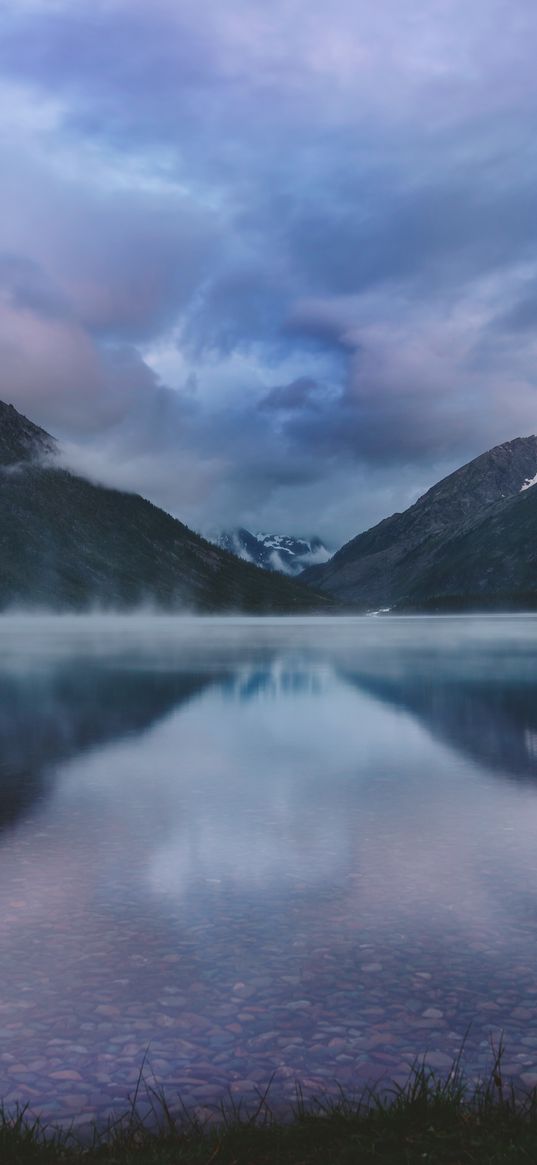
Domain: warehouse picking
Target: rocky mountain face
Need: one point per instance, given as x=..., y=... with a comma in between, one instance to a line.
x=277, y=552
x=468, y=542
x=66, y=543
x=20, y=439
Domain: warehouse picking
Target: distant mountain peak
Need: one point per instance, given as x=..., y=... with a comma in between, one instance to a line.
x=281, y=553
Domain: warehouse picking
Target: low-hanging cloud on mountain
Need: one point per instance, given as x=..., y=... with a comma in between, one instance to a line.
x=271, y=265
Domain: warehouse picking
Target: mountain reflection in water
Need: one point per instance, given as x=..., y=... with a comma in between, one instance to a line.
x=274, y=846
x=53, y=715
x=485, y=720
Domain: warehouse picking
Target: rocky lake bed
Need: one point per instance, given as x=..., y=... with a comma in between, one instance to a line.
x=240, y=855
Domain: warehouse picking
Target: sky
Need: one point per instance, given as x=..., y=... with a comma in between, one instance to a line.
x=270, y=264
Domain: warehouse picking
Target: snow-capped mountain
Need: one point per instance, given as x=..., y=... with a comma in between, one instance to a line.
x=277, y=552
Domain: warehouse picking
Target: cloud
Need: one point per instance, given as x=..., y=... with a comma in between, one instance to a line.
x=299, y=394
x=122, y=264
x=270, y=265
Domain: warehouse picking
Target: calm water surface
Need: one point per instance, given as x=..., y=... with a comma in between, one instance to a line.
x=299, y=849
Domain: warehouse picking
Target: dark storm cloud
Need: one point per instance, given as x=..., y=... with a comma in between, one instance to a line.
x=270, y=258
x=436, y=237
x=297, y=395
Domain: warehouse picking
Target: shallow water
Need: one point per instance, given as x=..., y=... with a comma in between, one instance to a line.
x=299, y=850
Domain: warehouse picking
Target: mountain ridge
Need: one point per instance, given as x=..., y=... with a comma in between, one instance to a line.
x=405, y=559
x=69, y=544
x=20, y=439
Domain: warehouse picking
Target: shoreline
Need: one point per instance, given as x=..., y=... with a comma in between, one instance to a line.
x=437, y=1119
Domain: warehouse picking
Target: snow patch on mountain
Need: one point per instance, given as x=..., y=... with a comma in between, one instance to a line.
x=277, y=552
x=528, y=483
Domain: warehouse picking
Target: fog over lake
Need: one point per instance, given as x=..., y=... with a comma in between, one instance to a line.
x=302, y=850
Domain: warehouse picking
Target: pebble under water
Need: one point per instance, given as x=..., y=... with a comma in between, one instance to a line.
x=240, y=851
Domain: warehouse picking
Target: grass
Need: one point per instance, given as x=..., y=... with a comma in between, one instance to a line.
x=433, y=1120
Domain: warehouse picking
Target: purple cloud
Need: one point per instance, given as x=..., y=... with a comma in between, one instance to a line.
x=202, y=204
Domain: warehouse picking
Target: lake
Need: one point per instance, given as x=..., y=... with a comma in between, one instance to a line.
x=238, y=851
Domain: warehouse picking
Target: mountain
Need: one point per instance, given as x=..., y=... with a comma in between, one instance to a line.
x=20, y=439
x=277, y=552
x=470, y=541
x=66, y=543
